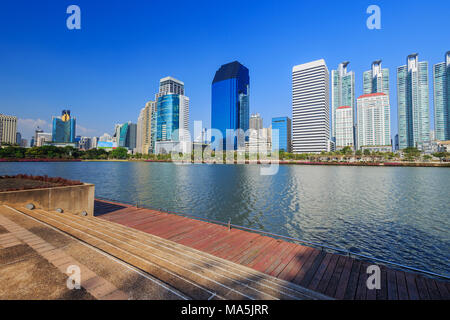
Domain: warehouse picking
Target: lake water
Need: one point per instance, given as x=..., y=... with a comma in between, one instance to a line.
x=398, y=214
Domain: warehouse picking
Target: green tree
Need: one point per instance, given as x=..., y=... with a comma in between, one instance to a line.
x=119, y=153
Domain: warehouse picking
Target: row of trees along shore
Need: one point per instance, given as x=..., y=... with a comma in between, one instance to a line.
x=346, y=154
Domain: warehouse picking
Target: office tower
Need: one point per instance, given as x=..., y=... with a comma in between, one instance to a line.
x=259, y=141
x=256, y=122
x=310, y=107
x=23, y=143
x=413, y=103
x=147, y=117
x=43, y=138
x=64, y=128
x=126, y=135
x=441, y=79
x=283, y=125
x=230, y=102
x=373, y=120
x=169, y=124
x=342, y=92
x=376, y=79
x=85, y=143
x=8, y=129
x=94, y=142
x=344, y=127
x=18, y=138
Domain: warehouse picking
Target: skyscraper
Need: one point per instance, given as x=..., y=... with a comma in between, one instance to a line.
x=310, y=107
x=441, y=79
x=342, y=93
x=376, y=80
x=64, y=128
x=344, y=127
x=413, y=103
x=374, y=125
x=8, y=129
x=230, y=101
x=256, y=122
x=170, y=124
x=144, y=138
x=283, y=125
x=126, y=135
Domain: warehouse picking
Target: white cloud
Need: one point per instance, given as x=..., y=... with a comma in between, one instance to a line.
x=82, y=131
x=26, y=127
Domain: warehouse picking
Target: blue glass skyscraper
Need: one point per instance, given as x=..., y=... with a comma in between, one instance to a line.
x=64, y=128
x=283, y=125
x=230, y=100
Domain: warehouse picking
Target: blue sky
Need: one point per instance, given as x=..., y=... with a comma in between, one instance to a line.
x=106, y=71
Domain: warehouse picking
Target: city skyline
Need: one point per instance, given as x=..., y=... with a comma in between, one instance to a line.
x=271, y=81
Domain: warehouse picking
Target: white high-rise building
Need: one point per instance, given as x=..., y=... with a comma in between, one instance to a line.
x=311, y=107
x=344, y=127
x=374, y=122
x=8, y=129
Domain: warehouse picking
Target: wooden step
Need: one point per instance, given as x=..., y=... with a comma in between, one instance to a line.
x=195, y=273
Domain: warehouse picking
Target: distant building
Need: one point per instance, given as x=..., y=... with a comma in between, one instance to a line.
x=43, y=138
x=94, y=142
x=18, y=138
x=376, y=80
x=344, y=127
x=310, y=107
x=64, y=128
x=283, y=125
x=170, y=120
x=126, y=135
x=105, y=138
x=342, y=94
x=145, y=136
x=441, y=78
x=8, y=129
x=256, y=122
x=230, y=102
x=24, y=143
x=374, y=121
x=413, y=103
x=396, y=146
x=85, y=143
x=260, y=141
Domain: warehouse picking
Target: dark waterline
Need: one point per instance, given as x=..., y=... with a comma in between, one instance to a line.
x=398, y=214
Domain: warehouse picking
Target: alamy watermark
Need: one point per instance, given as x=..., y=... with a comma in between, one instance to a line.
x=74, y=279
x=73, y=22
x=374, y=20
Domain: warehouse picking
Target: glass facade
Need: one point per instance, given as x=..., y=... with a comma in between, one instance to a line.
x=343, y=92
x=168, y=117
x=230, y=100
x=283, y=125
x=441, y=74
x=413, y=103
x=63, y=130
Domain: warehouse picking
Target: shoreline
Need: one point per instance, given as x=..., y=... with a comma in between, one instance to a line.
x=282, y=162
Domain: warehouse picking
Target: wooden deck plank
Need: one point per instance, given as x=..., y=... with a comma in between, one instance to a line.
x=334, y=280
x=344, y=279
x=382, y=293
x=323, y=283
x=279, y=264
x=411, y=286
x=401, y=285
x=291, y=269
x=320, y=272
x=422, y=288
x=352, y=285
x=309, y=267
x=433, y=290
x=361, y=291
x=334, y=275
x=392, y=285
x=279, y=252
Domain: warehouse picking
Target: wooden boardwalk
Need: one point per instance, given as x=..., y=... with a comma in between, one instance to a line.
x=334, y=275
